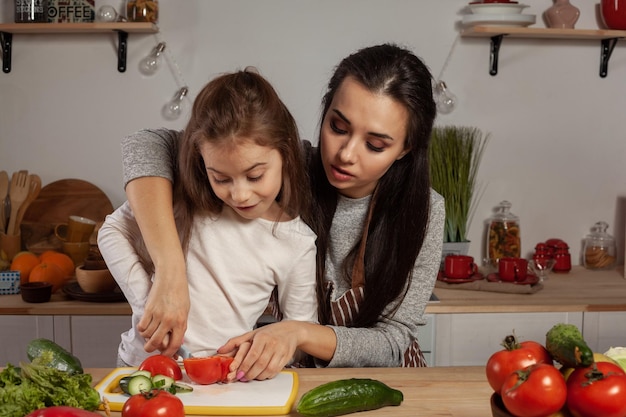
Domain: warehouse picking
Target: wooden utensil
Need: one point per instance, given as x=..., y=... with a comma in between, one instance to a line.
x=4, y=191
x=18, y=193
x=34, y=188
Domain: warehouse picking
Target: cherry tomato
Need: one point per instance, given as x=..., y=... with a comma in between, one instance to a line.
x=597, y=390
x=537, y=391
x=514, y=356
x=156, y=403
x=162, y=365
x=207, y=370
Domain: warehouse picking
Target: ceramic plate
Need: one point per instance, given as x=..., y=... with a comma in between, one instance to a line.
x=441, y=277
x=74, y=291
x=499, y=19
x=530, y=279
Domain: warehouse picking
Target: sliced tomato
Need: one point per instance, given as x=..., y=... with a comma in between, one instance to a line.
x=162, y=365
x=207, y=370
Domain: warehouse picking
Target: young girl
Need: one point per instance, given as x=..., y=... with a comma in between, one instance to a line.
x=239, y=189
x=379, y=225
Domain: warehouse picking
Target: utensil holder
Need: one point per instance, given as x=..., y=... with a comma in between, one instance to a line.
x=10, y=245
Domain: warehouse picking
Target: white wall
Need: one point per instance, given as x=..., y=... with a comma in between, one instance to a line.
x=557, y=148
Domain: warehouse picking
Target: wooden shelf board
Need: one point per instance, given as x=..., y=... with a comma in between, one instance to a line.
x=96, y=27
x=525, y=32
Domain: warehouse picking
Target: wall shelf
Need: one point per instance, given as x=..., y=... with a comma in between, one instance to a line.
x=608, y=39
x=7, y=30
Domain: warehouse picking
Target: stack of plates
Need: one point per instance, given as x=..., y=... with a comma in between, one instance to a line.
x=497, y=13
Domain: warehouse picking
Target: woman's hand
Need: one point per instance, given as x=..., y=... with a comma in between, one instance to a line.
x=164, y=321
x=264, y=352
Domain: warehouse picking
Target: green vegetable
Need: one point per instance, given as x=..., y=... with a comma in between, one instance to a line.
x=37, y=386
x=140, y=381
x=56, y=357
x=618, y=354
x=347, y=396
x=567, y=346
x=136, y=384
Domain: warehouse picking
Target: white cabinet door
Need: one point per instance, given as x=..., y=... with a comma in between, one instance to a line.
x=18, y=331
x=603, y=330
x=470, y=339
x=95, y=339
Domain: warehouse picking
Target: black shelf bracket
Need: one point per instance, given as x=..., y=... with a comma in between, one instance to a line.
x=607, y=46
x=6, y=40
x=496, y=41
x=122, y=48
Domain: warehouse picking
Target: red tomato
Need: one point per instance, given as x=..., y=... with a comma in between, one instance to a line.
x=62, y=411
x=162, y=365
x=156, y=403
x=537, y=391
x=514, y=356
x=597, y=390
x=207, y=370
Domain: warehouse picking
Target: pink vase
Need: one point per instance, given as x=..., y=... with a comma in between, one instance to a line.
x=613, y=13
x=562, y=15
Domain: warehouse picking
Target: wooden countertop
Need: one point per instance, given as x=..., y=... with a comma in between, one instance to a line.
x=580, y=290
x=433, y=392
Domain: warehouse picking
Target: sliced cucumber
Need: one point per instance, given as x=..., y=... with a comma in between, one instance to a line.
x=162, y=382
x=180, y=388
x=144, y=373
x=136, y=384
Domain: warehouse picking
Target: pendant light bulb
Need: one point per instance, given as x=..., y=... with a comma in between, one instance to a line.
x=150, y=64
x=445, y=100
x=173, y=108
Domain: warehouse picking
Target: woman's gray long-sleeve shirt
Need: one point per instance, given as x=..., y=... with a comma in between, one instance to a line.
x=154, y=153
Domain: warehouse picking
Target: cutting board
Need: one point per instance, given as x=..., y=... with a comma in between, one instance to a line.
x=54, y=204
x=270, y=397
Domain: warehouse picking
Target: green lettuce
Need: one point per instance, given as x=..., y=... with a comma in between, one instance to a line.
x=34, y=386
x=618, y=354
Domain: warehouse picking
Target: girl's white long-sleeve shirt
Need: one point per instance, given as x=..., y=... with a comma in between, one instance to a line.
x=233, y=265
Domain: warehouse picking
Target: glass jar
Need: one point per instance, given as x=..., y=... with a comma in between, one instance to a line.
x=142, y=11
x=503, y=234
x=31, y=11
x=599, y=251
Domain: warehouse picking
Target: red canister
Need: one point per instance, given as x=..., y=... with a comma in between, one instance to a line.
x=613, y=13
x=562, y=258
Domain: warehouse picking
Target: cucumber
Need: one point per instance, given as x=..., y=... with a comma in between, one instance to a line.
x=55, y=356
x=162, y=382
x=136, y=384
x=180, y=388
x=567, y=346
x=346, y=396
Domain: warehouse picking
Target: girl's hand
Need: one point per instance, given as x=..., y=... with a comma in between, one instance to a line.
x=270, y=349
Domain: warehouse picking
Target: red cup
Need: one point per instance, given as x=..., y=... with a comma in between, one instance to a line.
x=512, y=269
x=613, y=13
x=459, y=266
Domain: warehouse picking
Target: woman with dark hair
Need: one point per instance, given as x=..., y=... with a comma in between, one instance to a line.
x=378, y=222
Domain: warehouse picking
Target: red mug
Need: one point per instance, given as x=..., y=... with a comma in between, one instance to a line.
x=512, y=269
x=613, y=13
x=459, y=267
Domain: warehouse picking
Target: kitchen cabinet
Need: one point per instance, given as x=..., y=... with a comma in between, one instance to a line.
x=18, y=331
x=7, y=30
x=608, y=39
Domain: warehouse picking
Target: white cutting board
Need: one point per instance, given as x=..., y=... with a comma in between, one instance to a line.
x=270, y=397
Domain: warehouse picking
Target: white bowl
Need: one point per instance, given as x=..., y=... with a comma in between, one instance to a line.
x=496, y=8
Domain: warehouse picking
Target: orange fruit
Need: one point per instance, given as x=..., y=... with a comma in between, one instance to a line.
x=48, y=272
x=60, y=259
x=24, y=262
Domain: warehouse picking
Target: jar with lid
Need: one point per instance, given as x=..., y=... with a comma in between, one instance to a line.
x=142, y=10
x=600, y=250
x=31, y=11
x=503, y=234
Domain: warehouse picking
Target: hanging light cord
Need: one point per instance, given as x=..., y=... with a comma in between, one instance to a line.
x=447, y=61
x=172, y=64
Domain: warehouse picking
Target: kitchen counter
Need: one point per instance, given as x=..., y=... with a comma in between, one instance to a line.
x=580, y=290
x=433, y=392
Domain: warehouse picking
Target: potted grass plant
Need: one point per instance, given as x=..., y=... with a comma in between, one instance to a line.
x=455, y=154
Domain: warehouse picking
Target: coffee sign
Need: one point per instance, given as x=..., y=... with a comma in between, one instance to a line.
x=72, y=11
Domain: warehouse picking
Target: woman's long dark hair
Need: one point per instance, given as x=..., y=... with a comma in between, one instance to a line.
x=402, y=199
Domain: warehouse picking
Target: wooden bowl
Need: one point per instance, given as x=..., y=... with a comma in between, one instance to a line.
x=95, y=280
x=497, y=407
x=36, y=292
